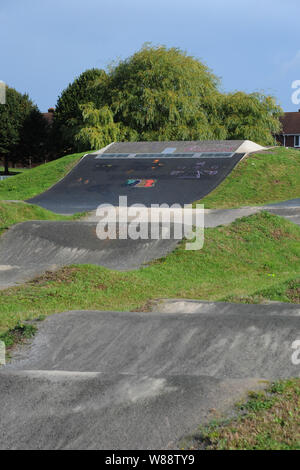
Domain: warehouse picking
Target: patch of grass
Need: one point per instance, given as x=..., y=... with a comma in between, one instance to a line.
x=261, y=178
x=12, y=171
x=33, y=182
x=261, y=250
x=17, y=335
x=269, y=421
x=15, y=212
x=287, y=291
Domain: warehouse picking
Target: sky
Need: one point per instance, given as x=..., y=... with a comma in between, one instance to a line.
x=252, y=45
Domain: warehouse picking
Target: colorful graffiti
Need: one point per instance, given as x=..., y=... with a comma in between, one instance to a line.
x=209, y=148
x=156, y=164
x=183, y=172
x=141, y=183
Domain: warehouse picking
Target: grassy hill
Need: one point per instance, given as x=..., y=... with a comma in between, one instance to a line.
x=269, y=420
x=12, y=171
x=262, y=250
x=261, y=178
x=14, y=212
x=30, y=183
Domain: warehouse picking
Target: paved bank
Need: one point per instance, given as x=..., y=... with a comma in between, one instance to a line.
x=120, y=380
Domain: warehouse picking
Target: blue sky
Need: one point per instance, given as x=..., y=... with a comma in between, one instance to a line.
x=253, y=45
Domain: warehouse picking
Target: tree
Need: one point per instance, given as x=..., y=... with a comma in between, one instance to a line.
x=251, y=116
x=161, y=94
x=34, y=138
x=88, y=87
x=12, y=117
x=99, y=128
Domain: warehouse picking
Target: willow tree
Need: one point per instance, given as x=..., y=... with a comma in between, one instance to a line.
x=98, y=127
x=253, y=116
x=164, y=94
x=161, y=94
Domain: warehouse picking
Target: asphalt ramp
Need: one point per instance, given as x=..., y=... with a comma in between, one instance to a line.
x=126, y=380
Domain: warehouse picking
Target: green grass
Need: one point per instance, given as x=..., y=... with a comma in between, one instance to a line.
x=287, y=291
x=33, y=182
x=261, y=250
x=260, y=178
x=268, y=421
x=12, y=170
x=17, y=335
x=15, y=212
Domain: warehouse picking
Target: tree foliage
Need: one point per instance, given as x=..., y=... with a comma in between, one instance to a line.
x=34, y=145
x=98, y=127
x=88, y=87
x=160, y=94
x=251, y=116
x=17, y=116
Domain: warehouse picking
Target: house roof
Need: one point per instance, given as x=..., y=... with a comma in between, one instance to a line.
x=49, y=116
x=291, y=123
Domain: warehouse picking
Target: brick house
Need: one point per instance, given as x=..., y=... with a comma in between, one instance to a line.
x=290, y=136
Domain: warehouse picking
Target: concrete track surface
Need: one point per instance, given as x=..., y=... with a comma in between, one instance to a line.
x=29, y=249
x=120, y=380
x=126, y=380
x=179, y=172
